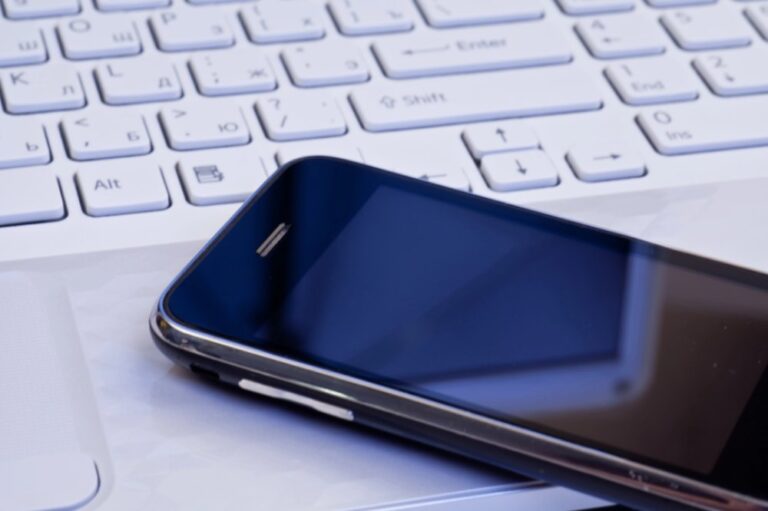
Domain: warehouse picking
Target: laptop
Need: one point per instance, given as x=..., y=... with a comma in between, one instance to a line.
x=131, y=130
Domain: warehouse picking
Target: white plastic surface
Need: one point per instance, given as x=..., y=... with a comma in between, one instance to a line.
x=55, y=481
x=176, y=442
x=51, y=443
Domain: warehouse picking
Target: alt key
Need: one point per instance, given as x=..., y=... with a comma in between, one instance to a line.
x=122, y=188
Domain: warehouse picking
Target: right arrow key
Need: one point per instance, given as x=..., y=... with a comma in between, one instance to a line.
x=603, y=163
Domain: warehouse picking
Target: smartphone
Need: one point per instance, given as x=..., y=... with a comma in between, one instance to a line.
x=560, y=351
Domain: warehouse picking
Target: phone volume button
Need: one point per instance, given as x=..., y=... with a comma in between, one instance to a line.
x=286, y=395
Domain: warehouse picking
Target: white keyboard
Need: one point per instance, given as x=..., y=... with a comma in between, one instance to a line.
x=142, y=122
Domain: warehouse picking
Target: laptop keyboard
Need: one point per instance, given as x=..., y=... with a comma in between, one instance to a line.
x=121, y=117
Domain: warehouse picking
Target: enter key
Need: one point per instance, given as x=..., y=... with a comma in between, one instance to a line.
x=467, y=50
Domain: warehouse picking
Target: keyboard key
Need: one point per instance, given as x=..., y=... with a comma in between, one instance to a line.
x=466, y=50
x=204, y=126
x=232, y=72
x=345, y=151
x=130, y=5
x=191, y=30
x=678, y=3
x=211, y=2
x=621, y=36
x=221, y=179
x=758, y=15
x=30, y=195
x=22, y=142
x=104, y=37
x=603, y=162
x=24, y=9
x=686, y=129
x=410, y=159
x=142, y=80
x=363, y=17
x=19, y=46
x=582, y=7
x=457, y=13
x=707, y=29
x=274, y=21
x=652, y=81
x=300, y=117
x=735, y=73
x=506, y=172
x=523, y=93
x=122, y=187
x=499, y=137
x=329, y=63
x=94, y=136
x=41, y=89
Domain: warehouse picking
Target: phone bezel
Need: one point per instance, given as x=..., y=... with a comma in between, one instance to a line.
x=401, y=412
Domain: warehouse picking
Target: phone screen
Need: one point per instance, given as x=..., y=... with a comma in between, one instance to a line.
x=611, y=342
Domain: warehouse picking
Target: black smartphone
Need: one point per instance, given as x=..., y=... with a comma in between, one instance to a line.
x=556, y=350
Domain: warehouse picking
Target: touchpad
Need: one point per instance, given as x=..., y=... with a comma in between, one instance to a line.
x=49, y=432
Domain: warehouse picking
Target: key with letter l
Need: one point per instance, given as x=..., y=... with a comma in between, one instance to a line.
x=141, y=80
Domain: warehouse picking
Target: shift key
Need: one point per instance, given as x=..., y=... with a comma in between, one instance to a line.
x=698, y=128
x=460, y=99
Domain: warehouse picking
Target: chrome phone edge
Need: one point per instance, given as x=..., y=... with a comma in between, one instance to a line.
x=486, y=430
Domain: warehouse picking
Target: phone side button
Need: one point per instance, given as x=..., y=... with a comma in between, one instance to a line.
x=285, y=395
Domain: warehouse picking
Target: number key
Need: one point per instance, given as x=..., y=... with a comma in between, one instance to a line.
x=707, y=28
x=735, y=73
x=652, y=81
x=620, y=36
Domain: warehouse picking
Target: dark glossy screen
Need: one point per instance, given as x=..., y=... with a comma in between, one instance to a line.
x=594, y=337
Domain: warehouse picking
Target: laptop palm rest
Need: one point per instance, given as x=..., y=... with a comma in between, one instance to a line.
x=48, y=426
